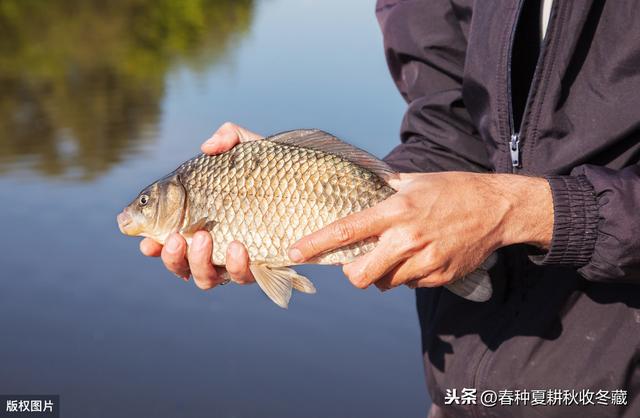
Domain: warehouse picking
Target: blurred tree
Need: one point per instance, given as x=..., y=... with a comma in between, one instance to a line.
x=80, y=81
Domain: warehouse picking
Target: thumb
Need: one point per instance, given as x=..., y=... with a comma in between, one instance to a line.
x=226, y=137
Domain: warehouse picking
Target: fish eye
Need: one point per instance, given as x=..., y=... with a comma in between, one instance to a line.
x=143, y=200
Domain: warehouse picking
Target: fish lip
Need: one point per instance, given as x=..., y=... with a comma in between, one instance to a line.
x=124, y=220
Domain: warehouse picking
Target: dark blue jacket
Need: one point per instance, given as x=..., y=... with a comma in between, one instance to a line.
x=485, y=95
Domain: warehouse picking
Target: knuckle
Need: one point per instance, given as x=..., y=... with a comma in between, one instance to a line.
x=343, y=231
x=175, y=265
x=231, y=269
x=414, y=237
x=358, y=279
x=228, y=125
x=403, y=204
x=310, y=246
x=197, y=269
x=235, y=269
x=239, y=274
x=431, y=260
x=409, y=242
x=194, y=255
x=202, y=258
x=174, y=261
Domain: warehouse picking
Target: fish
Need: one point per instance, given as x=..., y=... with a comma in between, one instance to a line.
x=268, y=194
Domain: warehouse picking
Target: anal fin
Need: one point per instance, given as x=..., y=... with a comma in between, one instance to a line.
x=302, y=284
x=278, y=282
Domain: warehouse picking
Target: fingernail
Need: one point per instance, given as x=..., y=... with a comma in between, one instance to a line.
x=295, y=255
x=198, y=241
x=173, y=244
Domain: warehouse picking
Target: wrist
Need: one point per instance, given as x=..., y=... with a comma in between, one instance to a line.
x=529, y=217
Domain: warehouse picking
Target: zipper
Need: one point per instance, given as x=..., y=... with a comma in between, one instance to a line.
x=514, y=153
x=515, y=139
x=514, y=143
x=514, y=150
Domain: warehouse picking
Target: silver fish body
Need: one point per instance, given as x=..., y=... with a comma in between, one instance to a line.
x=268, y=194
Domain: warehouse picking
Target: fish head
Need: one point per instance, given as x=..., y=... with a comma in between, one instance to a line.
x=157, y=211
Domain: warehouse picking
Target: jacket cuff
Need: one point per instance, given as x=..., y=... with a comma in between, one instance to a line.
x=575, y=221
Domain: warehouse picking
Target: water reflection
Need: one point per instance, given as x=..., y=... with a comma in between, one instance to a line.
x=84, y=83
x=81, y=82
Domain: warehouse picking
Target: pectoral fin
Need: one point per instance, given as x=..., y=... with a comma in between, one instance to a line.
x=202, y=224
x=476, y=286
x=278, y=282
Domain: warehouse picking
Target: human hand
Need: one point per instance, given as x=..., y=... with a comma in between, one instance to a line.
x=437, y=228
x=196, y=259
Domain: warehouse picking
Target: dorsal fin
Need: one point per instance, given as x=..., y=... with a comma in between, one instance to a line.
x=318, y=140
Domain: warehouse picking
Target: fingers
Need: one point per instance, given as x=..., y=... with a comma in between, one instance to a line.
x=425, y=282
x=416, y=272
x=348, y=230
x=196, y=259
x=414, y=284
x=226, y=137
x=173, y=256
x=373, y=266
x=204, y=273
x=237, y=263
x=150, y=248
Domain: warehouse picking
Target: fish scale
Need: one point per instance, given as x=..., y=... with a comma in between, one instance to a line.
x=268, y=195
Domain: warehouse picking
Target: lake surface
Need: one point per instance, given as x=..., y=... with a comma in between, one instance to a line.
x=98, y=99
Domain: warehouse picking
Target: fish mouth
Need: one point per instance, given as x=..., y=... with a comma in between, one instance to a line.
x=125, y=222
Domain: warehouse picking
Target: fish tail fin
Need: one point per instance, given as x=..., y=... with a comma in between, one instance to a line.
x=277, y=283
x=476, y=286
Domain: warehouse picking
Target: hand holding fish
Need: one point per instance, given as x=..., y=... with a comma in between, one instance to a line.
x=437, y=228
x=247, y=210
x=196, y=260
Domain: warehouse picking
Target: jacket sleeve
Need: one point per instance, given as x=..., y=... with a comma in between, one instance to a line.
x=425, y=48
x=597, y=223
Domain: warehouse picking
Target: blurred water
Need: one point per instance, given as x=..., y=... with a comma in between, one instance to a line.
x=99, y=100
